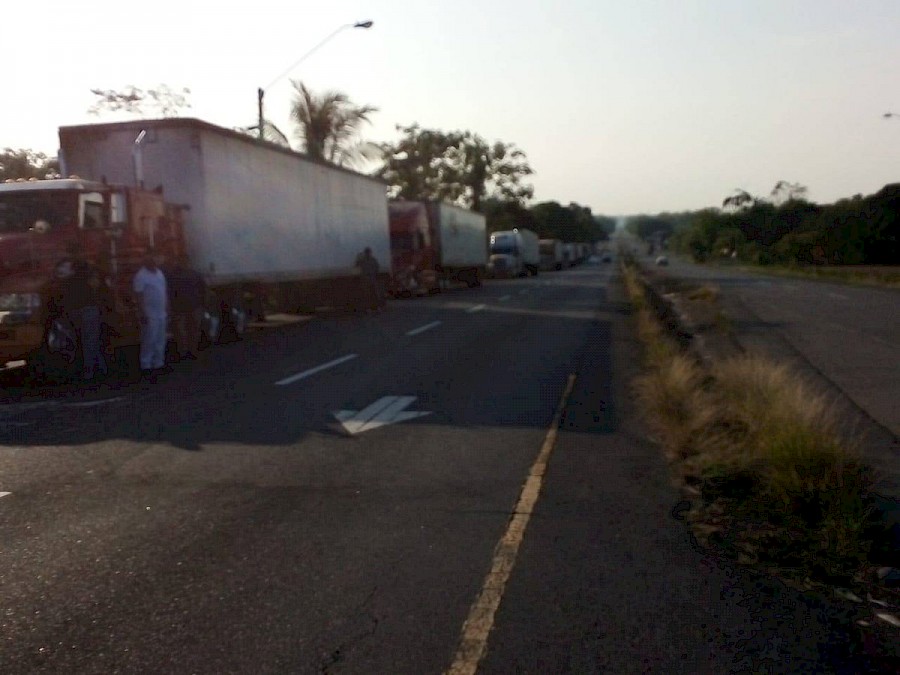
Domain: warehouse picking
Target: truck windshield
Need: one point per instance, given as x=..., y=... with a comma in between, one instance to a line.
x=20, y=211
x=503, y=248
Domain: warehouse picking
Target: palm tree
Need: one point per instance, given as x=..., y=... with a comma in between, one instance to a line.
x=328, y=124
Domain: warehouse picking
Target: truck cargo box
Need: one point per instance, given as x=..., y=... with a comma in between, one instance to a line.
x=462, y=236
x=258, y=212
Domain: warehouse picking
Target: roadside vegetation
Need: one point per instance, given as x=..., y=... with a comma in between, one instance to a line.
x=855, y=240
x=772, y=481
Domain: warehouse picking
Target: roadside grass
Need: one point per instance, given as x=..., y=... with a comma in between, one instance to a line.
x=776, y=485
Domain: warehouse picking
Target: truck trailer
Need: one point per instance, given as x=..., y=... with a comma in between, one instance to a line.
x=434, y=245
x=551, y=254
x=514, y=253
x=269, y=228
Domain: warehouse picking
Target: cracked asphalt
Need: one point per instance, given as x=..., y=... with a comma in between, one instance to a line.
x=215, y=522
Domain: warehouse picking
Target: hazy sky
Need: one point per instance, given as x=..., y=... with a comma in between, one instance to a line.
x=625, y=106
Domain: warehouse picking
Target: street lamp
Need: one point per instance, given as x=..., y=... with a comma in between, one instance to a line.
x=261, y=92
x=888, y=115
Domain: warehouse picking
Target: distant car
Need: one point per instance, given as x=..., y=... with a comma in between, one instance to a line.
x=593, y=260
x=606, y=257
x=662, y=261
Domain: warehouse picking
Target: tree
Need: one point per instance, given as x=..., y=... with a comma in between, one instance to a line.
x=26, y=164
x=456, y=166
x=739, y=200
x=787, y=192
x=162, y=101
x=328, y=124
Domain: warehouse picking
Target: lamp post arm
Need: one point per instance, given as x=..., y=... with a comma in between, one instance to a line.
x=307, y=55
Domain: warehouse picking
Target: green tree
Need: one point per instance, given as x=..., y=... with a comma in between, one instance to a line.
x=328, y=124
x=457, y=166
x=163, y=101
x=22, y=163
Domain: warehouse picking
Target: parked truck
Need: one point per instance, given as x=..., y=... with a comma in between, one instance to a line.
x=434, y=245
x=268, y=228
x=514, y=253
x=551, y=254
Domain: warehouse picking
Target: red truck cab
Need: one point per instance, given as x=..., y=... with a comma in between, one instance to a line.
x=413, y=256
x=44, y=222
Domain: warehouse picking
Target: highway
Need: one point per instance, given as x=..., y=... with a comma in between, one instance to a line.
x=329, y=497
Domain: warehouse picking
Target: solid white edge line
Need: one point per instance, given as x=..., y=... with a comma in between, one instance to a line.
x=422, y=329
x=476, y=308
x=313, y=371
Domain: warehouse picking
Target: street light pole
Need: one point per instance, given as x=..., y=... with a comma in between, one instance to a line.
x=261, y=92
x=888, y=115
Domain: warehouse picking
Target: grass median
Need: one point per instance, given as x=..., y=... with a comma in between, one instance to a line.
x=775, y=484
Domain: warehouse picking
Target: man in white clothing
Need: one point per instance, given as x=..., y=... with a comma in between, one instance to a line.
x=153, y=307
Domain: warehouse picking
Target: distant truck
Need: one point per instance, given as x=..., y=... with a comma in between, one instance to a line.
x=551, y=254
x=568, y=255
x=270, y=229
x=514, y=253
x=434, y=245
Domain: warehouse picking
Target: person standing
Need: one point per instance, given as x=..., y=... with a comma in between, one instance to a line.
x=85, y=301
x=187, y=300
x=153, y=308
x=368, y=267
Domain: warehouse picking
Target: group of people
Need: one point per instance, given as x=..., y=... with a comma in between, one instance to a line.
x=165, y=297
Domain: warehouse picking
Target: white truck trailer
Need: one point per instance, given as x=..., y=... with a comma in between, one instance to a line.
x=434, y=245
x=269, y=228
x=551, y=254
x=514, y=253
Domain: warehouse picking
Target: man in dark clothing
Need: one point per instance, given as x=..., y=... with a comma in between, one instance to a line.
x=368, y=267
x=85, y=302
x=187, y=302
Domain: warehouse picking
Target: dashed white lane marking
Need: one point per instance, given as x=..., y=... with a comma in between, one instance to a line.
x=422, y=329
x=503, y=298
x=476, y=308
x=313, y=371
x=91, y=404
x=4, y=494
x=838, y=296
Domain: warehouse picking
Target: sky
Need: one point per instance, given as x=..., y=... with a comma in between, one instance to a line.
x=627, y=107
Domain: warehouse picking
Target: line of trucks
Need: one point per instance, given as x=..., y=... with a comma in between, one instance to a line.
x=269, y=229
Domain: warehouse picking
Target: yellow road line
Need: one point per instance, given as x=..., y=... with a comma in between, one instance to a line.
x=475, y=631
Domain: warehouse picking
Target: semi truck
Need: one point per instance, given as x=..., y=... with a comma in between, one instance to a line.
x=514, y=253
x=551, y=254
x=269, y=229
x=434, y=245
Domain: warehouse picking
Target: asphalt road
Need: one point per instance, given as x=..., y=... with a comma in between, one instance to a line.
x=327, y=497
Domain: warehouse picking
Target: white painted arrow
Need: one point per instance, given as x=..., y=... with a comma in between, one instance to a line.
x=386, y=410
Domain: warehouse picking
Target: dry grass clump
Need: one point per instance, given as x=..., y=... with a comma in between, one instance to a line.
x=704, y=294
x=779, y=486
